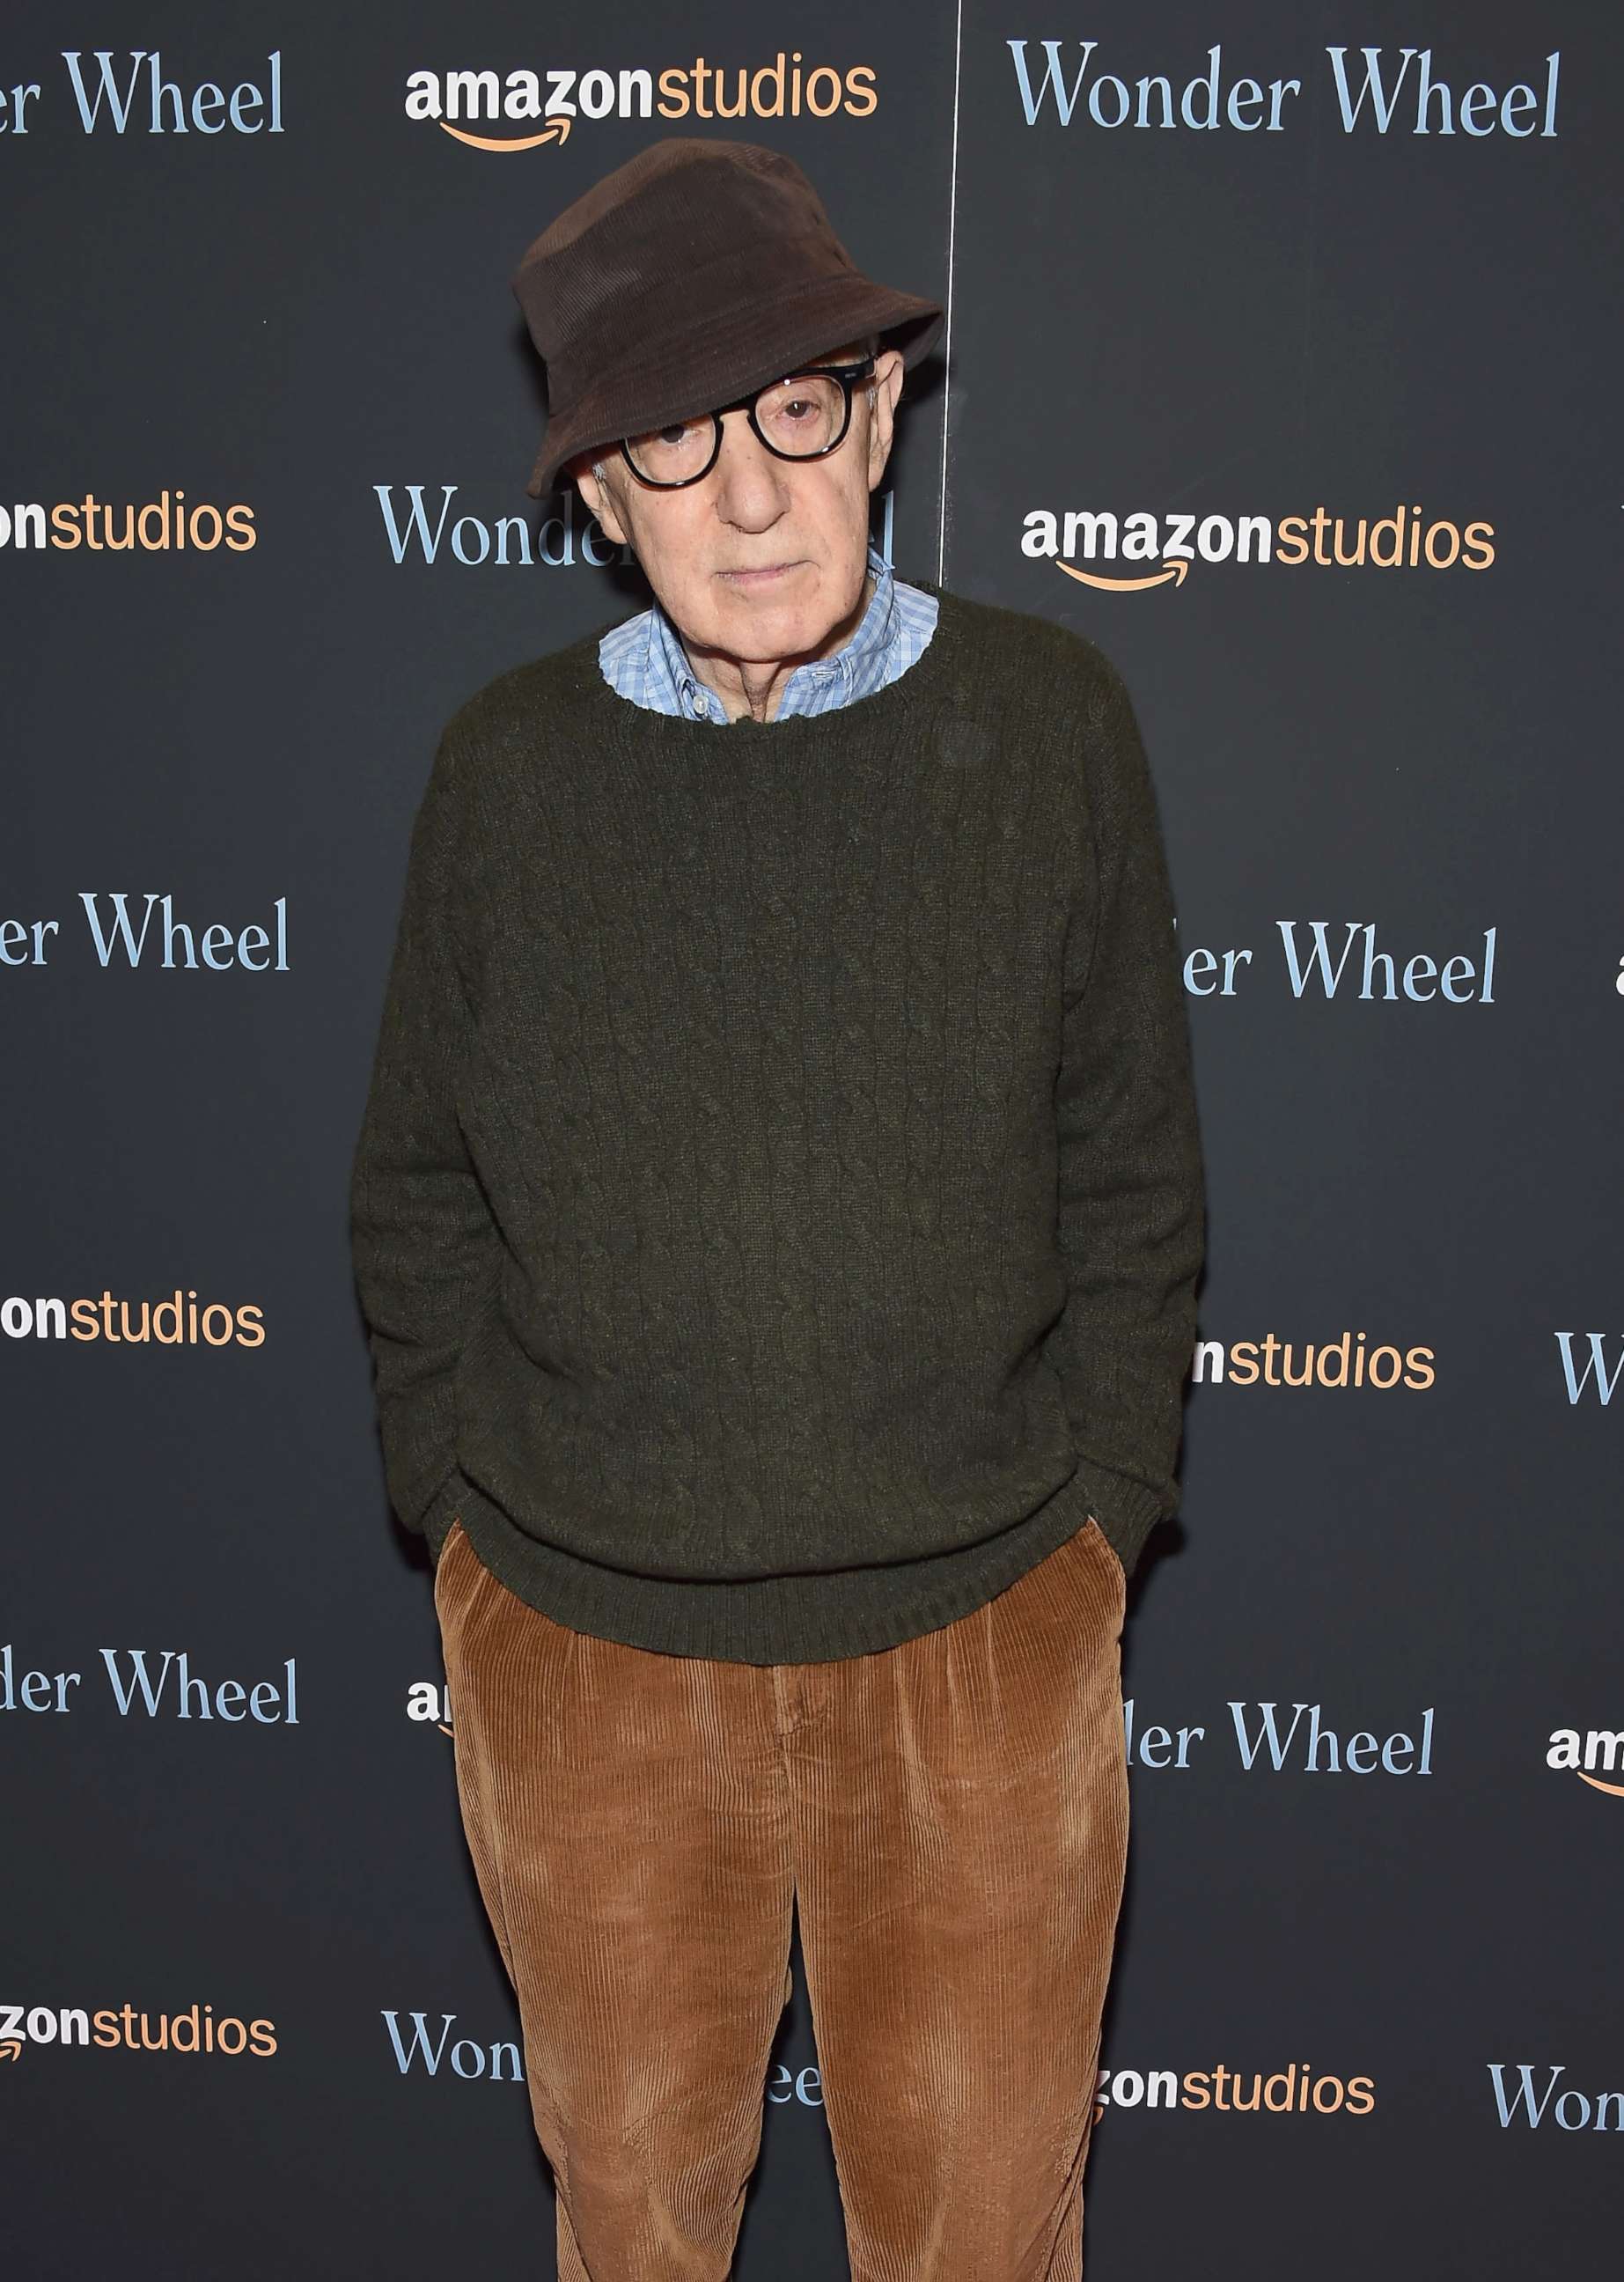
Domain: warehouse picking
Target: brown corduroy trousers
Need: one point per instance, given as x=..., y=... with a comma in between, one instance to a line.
x=950, y=1816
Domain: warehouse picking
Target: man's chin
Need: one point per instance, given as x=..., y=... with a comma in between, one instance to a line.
x=772, y=627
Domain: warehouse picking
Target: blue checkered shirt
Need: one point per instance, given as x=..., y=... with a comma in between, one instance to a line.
x=644, y=659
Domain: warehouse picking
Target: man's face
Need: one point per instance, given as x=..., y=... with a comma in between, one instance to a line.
x=803, y=523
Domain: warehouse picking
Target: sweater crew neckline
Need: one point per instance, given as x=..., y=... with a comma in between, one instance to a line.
x=930, y=672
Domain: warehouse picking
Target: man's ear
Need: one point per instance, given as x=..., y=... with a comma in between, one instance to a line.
x=599, y=498
x=882, y=392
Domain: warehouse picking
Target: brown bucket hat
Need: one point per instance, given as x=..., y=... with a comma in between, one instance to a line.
x=696, y=272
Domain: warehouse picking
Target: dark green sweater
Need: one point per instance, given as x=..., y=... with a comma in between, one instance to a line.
x=778, y=1203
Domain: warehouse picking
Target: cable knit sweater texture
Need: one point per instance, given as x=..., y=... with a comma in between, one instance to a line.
x=778, y=1203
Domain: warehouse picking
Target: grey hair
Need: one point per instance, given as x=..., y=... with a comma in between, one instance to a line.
x=869, y=344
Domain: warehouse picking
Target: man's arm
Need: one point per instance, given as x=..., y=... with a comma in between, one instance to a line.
x=1132, y=1210
x=424, y=1245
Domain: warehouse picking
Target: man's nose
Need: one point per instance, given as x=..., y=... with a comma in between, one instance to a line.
x=749, y=479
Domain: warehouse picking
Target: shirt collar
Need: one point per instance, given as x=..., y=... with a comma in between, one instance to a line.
x=831, y=679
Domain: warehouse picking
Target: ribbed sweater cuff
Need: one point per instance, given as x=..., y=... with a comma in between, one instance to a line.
x=1126, y=1511
x=441, y=1513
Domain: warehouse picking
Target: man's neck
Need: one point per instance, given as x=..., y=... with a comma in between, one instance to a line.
x=748, y=690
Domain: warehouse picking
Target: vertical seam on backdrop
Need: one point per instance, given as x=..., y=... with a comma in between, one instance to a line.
x=946, y=345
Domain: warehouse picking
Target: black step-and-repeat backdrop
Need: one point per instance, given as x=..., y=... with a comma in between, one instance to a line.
x=1283, y=360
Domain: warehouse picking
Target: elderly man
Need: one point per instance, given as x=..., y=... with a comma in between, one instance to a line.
x=776, y=1214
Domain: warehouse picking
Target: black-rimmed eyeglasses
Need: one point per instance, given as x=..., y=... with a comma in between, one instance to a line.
x=803, y=416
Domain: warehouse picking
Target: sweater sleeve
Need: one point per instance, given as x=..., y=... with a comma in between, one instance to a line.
x=423, y=1242
x=1131, y=1202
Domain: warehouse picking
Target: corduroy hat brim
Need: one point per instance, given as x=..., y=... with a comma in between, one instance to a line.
x=723, y=356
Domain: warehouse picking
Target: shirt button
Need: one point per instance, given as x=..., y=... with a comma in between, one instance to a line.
x=699, y=703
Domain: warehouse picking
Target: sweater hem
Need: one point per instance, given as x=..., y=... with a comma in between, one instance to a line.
x=797, y=1619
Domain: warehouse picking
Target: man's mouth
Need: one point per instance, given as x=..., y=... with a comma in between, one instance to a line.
x=750, y=579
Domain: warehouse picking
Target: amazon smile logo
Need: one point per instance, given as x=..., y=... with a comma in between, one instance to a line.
x=1602, y=1748
x=556, y=130
x=1132, y=553
x=523, y=110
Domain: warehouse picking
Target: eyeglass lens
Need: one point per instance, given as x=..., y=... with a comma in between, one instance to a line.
x=799, y=417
